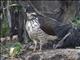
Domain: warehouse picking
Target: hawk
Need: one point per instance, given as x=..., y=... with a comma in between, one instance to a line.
x=35, y=32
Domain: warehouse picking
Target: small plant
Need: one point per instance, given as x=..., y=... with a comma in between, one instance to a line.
x=76, y=21
x=15, y=49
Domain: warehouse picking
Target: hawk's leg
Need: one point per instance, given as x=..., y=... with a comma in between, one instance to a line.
x=35, y=42
x=41, y=44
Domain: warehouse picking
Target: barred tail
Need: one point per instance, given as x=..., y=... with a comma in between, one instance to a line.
x=50, y=37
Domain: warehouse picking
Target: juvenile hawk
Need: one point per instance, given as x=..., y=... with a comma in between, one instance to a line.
x=35, y=32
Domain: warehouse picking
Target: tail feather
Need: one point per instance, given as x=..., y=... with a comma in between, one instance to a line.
x=50, y=37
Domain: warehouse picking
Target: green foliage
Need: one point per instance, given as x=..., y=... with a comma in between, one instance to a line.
x=4, y=28
x=76, y=21
x=11, y=49
x=16, y=49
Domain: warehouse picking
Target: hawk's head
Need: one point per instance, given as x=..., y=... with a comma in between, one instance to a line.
x=31, y=15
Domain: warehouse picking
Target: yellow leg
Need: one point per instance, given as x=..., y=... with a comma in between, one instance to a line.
x=35, y=42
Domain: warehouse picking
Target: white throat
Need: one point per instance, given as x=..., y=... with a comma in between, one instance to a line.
x=33, y=24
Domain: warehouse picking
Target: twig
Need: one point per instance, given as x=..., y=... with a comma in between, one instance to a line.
x=10, y=6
